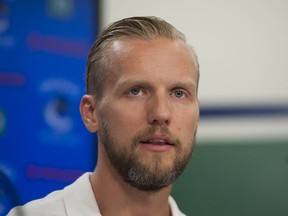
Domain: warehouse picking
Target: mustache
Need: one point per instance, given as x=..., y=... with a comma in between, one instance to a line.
x=152, y=130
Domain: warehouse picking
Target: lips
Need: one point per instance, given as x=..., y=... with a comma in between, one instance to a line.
x=157, y=140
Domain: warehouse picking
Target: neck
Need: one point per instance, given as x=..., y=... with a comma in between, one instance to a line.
x=116, y=197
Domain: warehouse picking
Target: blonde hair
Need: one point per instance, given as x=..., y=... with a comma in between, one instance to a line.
x=144, y=28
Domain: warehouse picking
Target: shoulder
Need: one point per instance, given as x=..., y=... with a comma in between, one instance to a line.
x=75, y=199
x=52, y=203
x=174, y=208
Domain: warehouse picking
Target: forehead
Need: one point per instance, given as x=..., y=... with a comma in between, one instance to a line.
x=158, y=57
x=138, y=47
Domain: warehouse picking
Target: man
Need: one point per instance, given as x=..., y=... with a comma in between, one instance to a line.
x=142, y=81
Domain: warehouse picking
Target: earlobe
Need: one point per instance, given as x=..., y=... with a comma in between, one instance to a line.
x=88, y=113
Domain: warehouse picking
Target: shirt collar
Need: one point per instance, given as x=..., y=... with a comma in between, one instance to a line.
x=79, y=199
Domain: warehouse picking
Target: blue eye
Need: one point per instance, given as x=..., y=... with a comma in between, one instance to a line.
x=179, y=94
x=135, y=91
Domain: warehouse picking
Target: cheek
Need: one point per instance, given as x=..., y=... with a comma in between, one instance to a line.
x=186, y=118
x=122, y=119
x=187, y=125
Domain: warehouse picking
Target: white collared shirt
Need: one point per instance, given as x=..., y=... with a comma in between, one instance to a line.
x=76, y=199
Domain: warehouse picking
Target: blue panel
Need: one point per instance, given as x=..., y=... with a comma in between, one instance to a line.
x=43, y=143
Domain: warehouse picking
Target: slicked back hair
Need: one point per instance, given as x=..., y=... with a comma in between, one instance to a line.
x=143, y=28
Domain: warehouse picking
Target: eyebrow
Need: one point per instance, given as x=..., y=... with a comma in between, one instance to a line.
x=187, y=84
x=129, y=82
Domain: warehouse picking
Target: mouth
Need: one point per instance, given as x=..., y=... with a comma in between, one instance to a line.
x=157, y=143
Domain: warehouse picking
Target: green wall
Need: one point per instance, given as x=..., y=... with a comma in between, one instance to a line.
x=235, y=178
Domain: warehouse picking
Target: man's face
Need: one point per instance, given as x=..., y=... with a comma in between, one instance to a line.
x=149, y=111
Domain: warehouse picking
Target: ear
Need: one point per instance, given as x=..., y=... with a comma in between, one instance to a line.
x=88, y=113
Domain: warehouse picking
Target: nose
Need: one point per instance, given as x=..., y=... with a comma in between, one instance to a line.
x=159, y=111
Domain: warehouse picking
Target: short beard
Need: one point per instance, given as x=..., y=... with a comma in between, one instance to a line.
x=150, y=178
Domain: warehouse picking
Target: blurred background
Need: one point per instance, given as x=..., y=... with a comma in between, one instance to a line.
x=240, y=164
